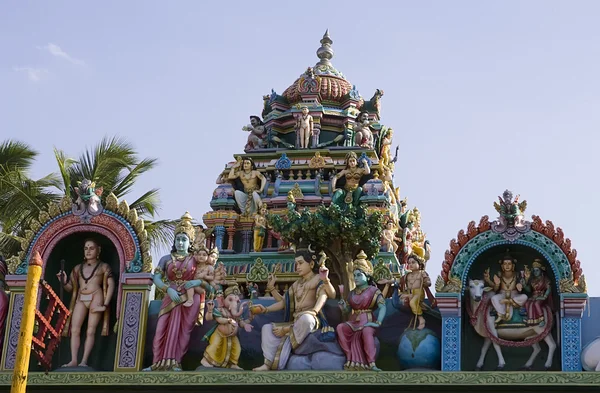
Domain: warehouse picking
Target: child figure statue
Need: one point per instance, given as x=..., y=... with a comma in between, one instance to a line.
x=224, y=347
x=413, y=287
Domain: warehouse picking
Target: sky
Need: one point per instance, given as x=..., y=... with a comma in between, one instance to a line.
x=482, y=96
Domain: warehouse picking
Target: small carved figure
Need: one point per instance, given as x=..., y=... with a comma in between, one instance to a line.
x=88, y=202
x=511, y=222
x=357, y=335
x=200, y=241
x=413, y=286
x=508, y=290
x=384, y=152
x=540, y=288
x=260, y=228
x=388, y=243
x=303, y=304
x=362, y=131
x=258, y=133
x=249, y=200
x=224, y=347
x=204, y=271
x=220, y=276
x=304, y=128
x=175, y=324
x=351, y=193
x=253, y=290
x=93, y=285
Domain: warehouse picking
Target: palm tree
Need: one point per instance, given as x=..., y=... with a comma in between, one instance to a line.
x=112, y=164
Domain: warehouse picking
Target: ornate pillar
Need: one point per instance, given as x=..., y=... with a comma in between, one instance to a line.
x=230, y=237
x=572, y=306
x=449, y=305
x=133, y=320
x=245, y=226
x=13, y=321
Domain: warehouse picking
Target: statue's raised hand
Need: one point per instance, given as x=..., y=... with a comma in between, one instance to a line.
x=62, y=277
x=519, y=287
x=496, y=280
x=173, y=295
x=324, y=273
x=271, y=280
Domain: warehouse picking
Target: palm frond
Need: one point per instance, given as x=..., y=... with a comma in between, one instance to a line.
x=128, y=181
x=16, y=155
x=9, y=244
x=64, y=170
x=160, y=234
x=147, y=204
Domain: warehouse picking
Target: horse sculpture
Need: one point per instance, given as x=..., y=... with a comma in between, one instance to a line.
x=478, y=308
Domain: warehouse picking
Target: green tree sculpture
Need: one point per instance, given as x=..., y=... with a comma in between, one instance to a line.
x=340, y=233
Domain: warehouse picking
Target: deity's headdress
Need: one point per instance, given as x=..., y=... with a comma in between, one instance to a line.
x=185, y=226
x=537, y=263
x=415, y=255
x=232, y=290
x=350, y=155
x=361, y=263
x=215, y=250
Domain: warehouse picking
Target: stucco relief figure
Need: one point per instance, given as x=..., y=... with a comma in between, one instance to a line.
x=93, y=286
x=388, y=243
x=176, y=322
x=224, y=347
x=362, y=131
x=350, y=194
x=414, y=286
x=302, y=304
x=258, y=134
x=260, y=228
x=540, y=288
x=88, y=202
x=248, y=200
x=304, y=128
x=507, y=288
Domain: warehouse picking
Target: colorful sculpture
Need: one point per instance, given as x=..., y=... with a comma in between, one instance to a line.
x=540, y=289
x=362, y=131
x=302, y=304
x=92, y=285
x=88, y=203
x=258, y=134
x=357, y=335
x=413, y=286
x=304, y=128
x=508, y=291
x=175, y=323
x=224, y=348
x=248, y=200
x=260, y=228
x=352, y=173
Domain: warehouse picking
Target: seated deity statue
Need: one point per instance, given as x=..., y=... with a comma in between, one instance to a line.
x=350, y=194
x=258, y=134
x=93, y=286
x=249, y=200
x=507, y=288
x=362, y=131
x=302, y=303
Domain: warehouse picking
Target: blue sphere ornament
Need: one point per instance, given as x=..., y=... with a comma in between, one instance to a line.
x=419, y=349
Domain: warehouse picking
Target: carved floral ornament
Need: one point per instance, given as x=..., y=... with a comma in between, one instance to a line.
x=55, y=212
x=478, y=237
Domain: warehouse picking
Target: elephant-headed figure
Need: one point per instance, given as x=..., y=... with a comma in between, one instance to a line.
x=224, y=347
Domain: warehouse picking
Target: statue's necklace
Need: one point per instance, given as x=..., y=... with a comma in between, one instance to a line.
x=86, y=279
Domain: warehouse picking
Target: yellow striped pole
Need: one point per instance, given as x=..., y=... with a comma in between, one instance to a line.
x=34, y=272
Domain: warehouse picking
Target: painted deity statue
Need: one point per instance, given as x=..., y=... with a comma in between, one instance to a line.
x=388, y=243
x=224, y=347
x=260, y=228
x=357, y=336
x=508, y=290
x=362, y=131
x=88, y=199
x=304, y=128
x=93, y=286
x=540, y=288
x=258, y=134
x=414, y=285
x=385, y=149
x=3, y=297
x=249, y=200
x=350, y=194
x=302, y=303
x=175, y=322
x=200, y=240
x=391, y=194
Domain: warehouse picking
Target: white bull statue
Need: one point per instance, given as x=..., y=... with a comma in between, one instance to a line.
x=528, y=336
x=590, y=356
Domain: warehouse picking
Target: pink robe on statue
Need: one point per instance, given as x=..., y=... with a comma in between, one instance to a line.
x=357, y=341
x=175, y=322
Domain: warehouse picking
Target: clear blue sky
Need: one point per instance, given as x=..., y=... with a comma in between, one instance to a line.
x=483, y=96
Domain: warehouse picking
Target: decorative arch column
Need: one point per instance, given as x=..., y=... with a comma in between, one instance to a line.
x=126, y=232
x=543, y=238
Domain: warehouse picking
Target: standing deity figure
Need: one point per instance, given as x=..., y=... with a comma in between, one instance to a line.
x=540, y=288
x=224, y=347
x=302, y=303
x=260, y=228
x=257, y=137
x=385, y=150
x=249, y=200
x=92, y=285
x=388, y=243
x=3, y=297
x=175, y=323
x=508, y=290
x=414, y=285
x=357, y=336
x=350, y=194
x=388, y=191
x=362, y=131
x=304, y=128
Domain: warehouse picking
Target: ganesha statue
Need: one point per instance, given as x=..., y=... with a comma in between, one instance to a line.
x=224, y=347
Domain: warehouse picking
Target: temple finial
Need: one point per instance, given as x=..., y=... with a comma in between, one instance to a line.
x=325, y=52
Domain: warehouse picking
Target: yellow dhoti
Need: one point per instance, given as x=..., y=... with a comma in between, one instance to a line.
x=223, y=351
x=418, y=296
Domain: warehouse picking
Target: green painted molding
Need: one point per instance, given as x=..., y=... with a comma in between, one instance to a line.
x=310, y=378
